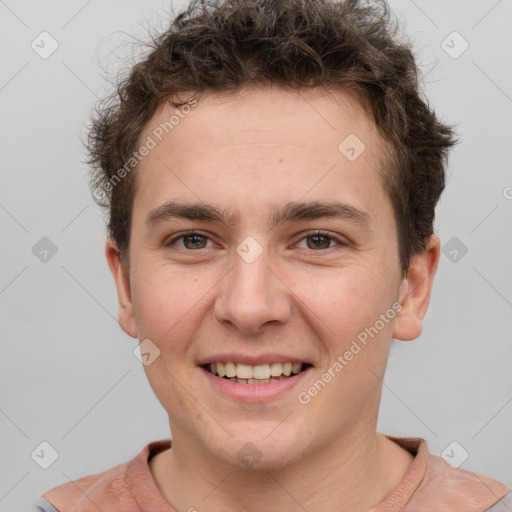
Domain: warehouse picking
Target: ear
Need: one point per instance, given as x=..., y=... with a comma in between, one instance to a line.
x=122, y=279
x=415, y=290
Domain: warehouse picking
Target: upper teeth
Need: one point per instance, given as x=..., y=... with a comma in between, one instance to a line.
x=259, y=371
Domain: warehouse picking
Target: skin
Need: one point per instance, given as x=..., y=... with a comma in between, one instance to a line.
x=250, y=152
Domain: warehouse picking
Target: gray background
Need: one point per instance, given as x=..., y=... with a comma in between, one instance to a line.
x=68, y=373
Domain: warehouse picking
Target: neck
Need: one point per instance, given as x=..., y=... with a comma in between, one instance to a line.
x=350, y=474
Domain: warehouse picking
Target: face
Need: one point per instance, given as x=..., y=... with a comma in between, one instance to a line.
x=293, y=259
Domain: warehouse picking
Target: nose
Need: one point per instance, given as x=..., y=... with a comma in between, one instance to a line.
x=252, y=296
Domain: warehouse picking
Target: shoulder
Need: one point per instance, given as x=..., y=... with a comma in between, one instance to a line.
x=118, y=488
x=432, y=484
x=458, y=488
x=503, y=505
x=107, y=487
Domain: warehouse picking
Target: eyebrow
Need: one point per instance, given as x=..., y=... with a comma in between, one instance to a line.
x=293, y=211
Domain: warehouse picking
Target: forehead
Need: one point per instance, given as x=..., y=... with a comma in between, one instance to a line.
x=261, y=145
x=250, y=115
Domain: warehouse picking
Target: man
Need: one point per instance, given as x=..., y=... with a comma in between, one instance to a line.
x=271, y=173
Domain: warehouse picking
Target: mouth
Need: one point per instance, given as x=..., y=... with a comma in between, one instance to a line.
x=255, y=374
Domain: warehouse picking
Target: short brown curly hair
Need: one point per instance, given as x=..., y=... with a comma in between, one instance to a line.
x=226, y=45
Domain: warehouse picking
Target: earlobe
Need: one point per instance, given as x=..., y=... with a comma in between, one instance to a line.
x=415, y=291
x=126, y=316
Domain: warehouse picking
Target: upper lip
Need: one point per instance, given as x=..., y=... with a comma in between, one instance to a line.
x=252, y=360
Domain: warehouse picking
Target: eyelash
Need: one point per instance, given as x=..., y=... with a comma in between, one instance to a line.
x=307, y=235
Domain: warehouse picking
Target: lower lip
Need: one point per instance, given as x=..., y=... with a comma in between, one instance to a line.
x=254, y=392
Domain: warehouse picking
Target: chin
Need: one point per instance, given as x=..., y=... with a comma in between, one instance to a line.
x=248, y=450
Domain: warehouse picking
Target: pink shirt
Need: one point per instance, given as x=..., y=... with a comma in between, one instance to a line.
x=430, y=485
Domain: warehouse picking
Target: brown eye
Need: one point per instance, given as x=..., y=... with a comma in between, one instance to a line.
x=195, y=241
x=318, y=241
x=321, y=241
x=191, y=241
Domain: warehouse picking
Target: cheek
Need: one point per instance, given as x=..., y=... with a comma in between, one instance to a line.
x=167, y=302
x=345, y=301
x=168, y=306
x=344, y=310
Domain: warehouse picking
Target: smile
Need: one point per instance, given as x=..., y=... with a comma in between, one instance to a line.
x=257, y=374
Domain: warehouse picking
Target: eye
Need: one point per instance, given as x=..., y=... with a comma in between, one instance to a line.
x=191, y=240
x=316, y=240
x=321, y=240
